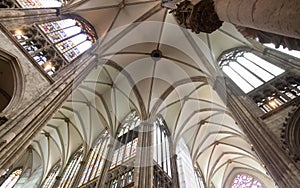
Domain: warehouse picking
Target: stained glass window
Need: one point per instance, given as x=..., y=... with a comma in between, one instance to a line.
x=247, y=70
x=12, y=179
x=51, y=178
x=127, y=140
x=71, y=170
x=70, y=36
x=246, y=181
x=55, y=44
x=96, y=160
x=39, y=3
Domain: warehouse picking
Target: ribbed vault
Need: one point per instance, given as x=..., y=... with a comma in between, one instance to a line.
x=176, y=85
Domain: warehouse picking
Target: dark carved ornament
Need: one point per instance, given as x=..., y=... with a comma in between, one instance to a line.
x=265, y=37
x=204, y=17
x=201, y=17
x=290, y=134
x=8, y=4
x=3, y=120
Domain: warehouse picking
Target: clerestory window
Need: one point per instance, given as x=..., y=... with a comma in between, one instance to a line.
x=71, y=170
x=96, y=160
x=51, y=178
x=12, y=179
x=55, y=44
x=247, y=70
x=246, y=181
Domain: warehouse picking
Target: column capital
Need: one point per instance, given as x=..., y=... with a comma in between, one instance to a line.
x=200, y=17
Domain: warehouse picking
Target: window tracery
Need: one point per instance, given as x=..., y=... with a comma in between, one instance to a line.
x=161, y=154
x=246, y=181
x=31, y=4
x=55, y=44
x=12, y=179
x=247, y=70
x=71, y=170
x=267, y=84
x=96, y=160
x=122, y=168
x=50, y=179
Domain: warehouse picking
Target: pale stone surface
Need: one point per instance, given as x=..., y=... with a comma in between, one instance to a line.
x=276, y=121
x=279, y=17
x=34, y=82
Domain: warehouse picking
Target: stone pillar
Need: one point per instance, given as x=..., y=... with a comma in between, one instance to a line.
x=280, y=166
x=144, y=159
x=18, y=133
x=278, y=17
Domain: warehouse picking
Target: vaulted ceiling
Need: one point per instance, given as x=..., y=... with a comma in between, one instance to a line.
x=177, y=85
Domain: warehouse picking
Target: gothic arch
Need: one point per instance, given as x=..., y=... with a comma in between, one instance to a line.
x=11, y=82
x=262, y=178
x=291, y=134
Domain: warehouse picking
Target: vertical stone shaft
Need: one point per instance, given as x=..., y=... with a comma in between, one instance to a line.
x=279, y=17
x=144, y=162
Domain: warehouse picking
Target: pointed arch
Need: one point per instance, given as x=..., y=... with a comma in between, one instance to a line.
x=11, y=81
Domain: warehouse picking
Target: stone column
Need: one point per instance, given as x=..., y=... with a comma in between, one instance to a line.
x=280, y=166
x=18, y=133
x=278, y=17
x=144, y=159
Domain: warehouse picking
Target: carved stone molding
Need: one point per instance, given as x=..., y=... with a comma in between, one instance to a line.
x=204, y=17
x=265, y=37
x=290, y=134
x=201, y=17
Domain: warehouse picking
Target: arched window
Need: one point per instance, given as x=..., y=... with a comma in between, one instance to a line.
x=7, y=83
x=124, y=153
x=31, y=3
x=248, y=70
x=54, y=44
x=96, y=160
x=12, y=179
x=127, y=140
x=51, y=178
x=161, y=154
x=268, y=85
x=39, y=3
x=246, y=181
x=71, y=170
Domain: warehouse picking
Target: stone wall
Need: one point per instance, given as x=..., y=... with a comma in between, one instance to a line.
x=34, y=82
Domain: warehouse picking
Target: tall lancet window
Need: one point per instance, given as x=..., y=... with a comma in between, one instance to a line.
x=39, y=3
x=127, y=140
x=55, y=44
x=96, y=160
x=122, y=168
x=31, y=3
x=51, y=178
x=246, y=181
x=248, y=70
x=12, y=179
x=267, y=84
x=71, y=170
x=162, y=154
